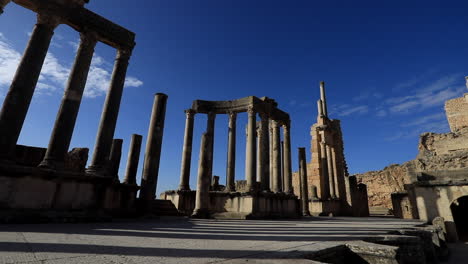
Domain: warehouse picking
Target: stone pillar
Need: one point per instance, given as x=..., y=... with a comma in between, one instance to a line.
x=323, y=98
x=331, y=178
x=149, y=178
x=287, y=168
x=276, y=173
x=114, y=159
x=303, y=177
x=264, y=153
x=270, y=139
x=335, y=172
x=250, y=152
x=109, y=115
x=258, y=162
x=3, y=3
x=17, y=101
x=202, y=198
x=210, y=126
x=231, y=155
x=187, y=151
x=66, y=118
x=324, y=181
x=133, y=159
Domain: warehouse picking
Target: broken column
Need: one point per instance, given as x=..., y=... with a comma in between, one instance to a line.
x=187, y=151
x=133, y=159
x=250, y=154
x=149, y=178
x=276, y=157
x=202, y=197
x=17, y=101
x=66, y=117
x=114, y=159
x=231, y=154
x=109, y=115
x=287, y=158
x=303, y=177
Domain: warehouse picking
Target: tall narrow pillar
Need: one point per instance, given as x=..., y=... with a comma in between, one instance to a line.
x=231, y=155
x=115, y=156
x=331, y=178
x=303, y=177
x=66, y=117
x=270, y=144
x=149, y=178
x=133, y=159
x=264, y=153
x=17, y=101
x=109, y=115
x=250, y=153
x=324, y=181
x=335, y=172
x=287, y=168
x=323, y=98
x=187, y=151
x=258, y=162
x=276, y=173
x=202, y=197
x=210, y=126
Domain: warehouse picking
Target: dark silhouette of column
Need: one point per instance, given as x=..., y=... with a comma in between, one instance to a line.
x=17, y=101
x=303, y=177
x=250, y=153
x=187, y=151
x=133, y=159
x=109, y=115
x=114, y=159
x=66, y=117
x=202, y=198
x=149, y=178
x=231, y=155
x=264, y=153
x=287, y=168
x=276, y=160
x=210, y=125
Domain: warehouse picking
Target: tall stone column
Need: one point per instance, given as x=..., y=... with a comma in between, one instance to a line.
x=270, y=140
x=264, y=153
x=331, y=178
x=258, y=162
x=66, y=117
x=335, y=172
x=276, y=158
x=287, y=168
x=109, y=115
x=187, y=151
x=250, y=153
x=303, y=177
x=17, y=101
x=231, y=155
x=149, y=178
x=115, y=156
x=323, y=98
x=133, y=159
x=324, y=181
x=210, y=126
x=202, y=197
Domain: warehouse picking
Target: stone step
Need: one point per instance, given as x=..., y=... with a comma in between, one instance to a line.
x=164, y=207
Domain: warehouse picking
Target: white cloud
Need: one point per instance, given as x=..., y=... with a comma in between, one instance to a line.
x=9, y=60
x=345, y=109
x=436, y=123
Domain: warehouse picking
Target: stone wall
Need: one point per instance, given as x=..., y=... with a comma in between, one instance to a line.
x=457, y=112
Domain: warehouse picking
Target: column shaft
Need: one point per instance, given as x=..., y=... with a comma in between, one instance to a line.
x=149, y=178
x=109, y=115
x=270, y=144
x=187, y=151
x=331, y=178
x=202, y=197
x=335, y=173
x=231, y=155
x=303, y=177
x=17, y=101
x=114, y=159
x=66, y=117
x=276, y=157
x=133, y=159
x=250, y=153
x=324, y=181
x=210, y=127
x=264, y=153
x=287, y=168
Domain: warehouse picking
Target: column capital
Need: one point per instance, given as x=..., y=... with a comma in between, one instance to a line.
x=250, y=110
x=190, y=113
x=274, y=123
x=211, y=115
x=286, y=124
x=232, y=115
x=88, y=38
x=263, y=116
x=124, y=54
x=48, y=20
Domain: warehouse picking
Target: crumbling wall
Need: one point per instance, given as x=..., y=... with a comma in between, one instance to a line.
x=457, y=112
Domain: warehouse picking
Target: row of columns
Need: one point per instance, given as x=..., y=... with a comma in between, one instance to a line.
x=255, y=163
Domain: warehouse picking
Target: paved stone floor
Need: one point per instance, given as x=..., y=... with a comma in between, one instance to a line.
x=181, y=240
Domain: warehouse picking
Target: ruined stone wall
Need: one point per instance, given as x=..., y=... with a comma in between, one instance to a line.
x=457, y=112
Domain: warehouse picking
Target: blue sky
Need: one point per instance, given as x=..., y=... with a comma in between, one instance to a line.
x=388, y=69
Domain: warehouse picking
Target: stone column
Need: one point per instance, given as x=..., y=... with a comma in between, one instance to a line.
x=335, y=172
x=323, y=98
x=324, y=181
x=17, y=101
x=287, y=168
x=276, y=159
x=114, y=159
x=264, y=153
x=258, y=162
x=187, y=151
x=133, y=159
x=210, y=126
x=202, y=197
x=270, y=144
x=331, y=178
x=149, y=178
x=66, y=118
x=3, y=3
x=231, y=155
x=303, y=177
x=109, y=115
x=250, y=153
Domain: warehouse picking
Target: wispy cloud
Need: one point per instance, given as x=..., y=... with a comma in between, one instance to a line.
x=346, y=109
x=436, y=123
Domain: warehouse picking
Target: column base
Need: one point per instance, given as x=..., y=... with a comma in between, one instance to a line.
x=201, y=214
x=184, y=188
x=97, y=171
x=306, y=214
x=48, y=164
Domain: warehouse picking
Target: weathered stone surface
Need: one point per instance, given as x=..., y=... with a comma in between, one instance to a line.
x=29, y=156
x=457, y=112
x=76, y=159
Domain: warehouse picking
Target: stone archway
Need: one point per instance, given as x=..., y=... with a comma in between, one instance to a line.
x=459, y=209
